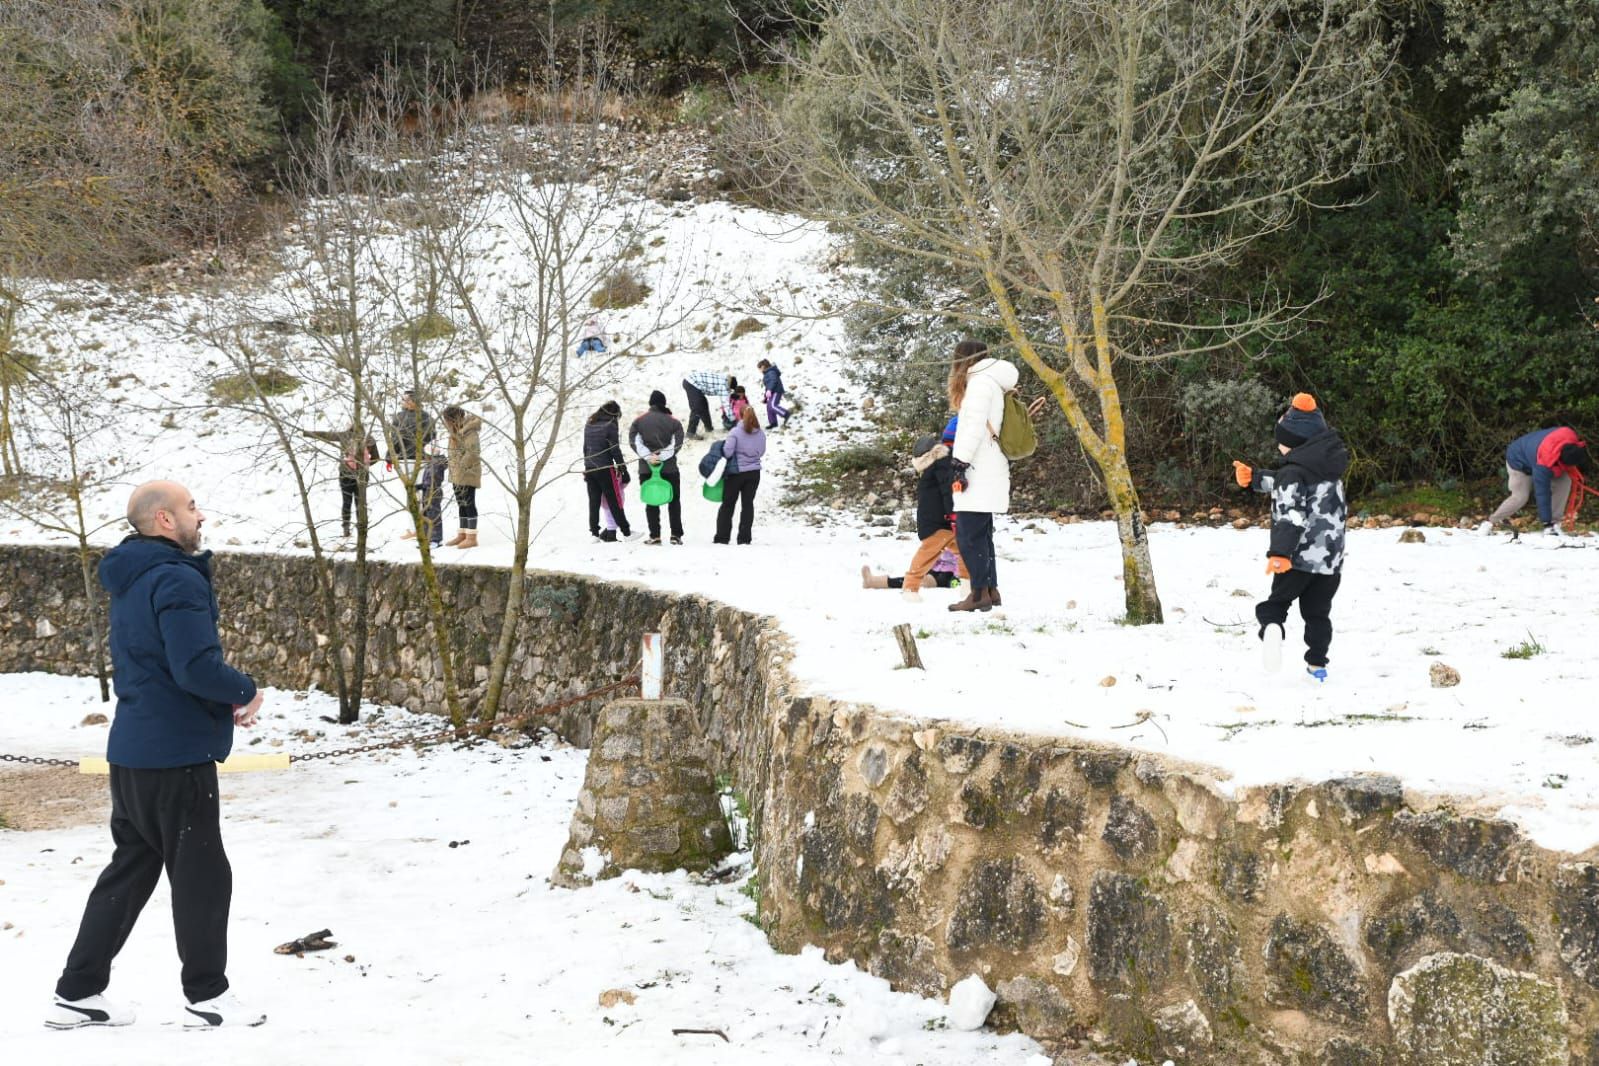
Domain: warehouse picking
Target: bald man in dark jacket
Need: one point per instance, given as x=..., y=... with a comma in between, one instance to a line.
x=177, y=703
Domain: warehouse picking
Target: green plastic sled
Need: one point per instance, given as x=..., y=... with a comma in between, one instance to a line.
x=656, y=490
x=712, y=490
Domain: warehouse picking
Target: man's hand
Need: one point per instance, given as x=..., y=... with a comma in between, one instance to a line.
x=1278, y=564
x=245, y=716
x=1243, y=474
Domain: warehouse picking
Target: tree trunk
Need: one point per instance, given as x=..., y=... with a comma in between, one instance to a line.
x=1138, y=572
x=96, y=619
x=436, y=610
x=501, y=663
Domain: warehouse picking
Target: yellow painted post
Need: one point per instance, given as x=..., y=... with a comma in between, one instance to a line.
x=238, y=764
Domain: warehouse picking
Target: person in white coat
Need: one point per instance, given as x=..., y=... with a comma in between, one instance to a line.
x=977, y=388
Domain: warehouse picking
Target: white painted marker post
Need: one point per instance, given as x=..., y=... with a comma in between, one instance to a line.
x=650, y=670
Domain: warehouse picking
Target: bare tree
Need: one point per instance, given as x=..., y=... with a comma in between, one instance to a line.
x=71, y=441
x=578, y=228
x=1080, y=163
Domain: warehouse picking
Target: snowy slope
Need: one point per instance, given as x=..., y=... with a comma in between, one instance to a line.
x=1515, y=735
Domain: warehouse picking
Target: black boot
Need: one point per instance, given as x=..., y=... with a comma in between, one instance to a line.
x=609, y=536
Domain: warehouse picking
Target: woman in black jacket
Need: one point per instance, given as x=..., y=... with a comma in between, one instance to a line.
x=604, y=469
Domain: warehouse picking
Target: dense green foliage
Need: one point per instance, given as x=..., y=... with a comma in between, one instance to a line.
x=1447, y=311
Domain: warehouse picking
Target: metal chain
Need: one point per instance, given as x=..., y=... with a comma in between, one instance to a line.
x=30, y=760
x=462, y=732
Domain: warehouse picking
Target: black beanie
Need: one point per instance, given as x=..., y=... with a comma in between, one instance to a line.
x=658, y=398
x=1300, y=422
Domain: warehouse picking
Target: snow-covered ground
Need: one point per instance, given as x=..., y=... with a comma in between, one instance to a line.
x=430, y=869
x=1515, y=735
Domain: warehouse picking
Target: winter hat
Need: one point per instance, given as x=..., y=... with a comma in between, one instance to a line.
x=1300, y=422
x=949, y=430
x=1576, y=455
x=657, y=398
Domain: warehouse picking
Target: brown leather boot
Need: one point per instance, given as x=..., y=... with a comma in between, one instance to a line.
x=870, y=580
x=976, y=600
x=993, y=597
x=468, y=540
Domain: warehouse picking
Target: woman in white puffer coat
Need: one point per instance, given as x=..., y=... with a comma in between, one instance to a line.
x=977, y=388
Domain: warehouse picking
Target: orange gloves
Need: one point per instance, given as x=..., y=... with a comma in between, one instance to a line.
x=1243, y=474
x=1278, y=564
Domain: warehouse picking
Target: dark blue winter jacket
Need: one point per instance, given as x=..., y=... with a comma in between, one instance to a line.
x=714, y=455
x=772, y=380
x=175, y=693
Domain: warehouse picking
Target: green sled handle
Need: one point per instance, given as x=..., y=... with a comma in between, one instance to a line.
x=656, y=490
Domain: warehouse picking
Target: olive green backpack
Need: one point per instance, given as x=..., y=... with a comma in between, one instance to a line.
x=1016, y=438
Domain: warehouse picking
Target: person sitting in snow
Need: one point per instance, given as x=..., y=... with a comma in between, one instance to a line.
x=1543, y=464
x=937, y=561
x=1306, y=554
x=772, y=386
x=591, y=338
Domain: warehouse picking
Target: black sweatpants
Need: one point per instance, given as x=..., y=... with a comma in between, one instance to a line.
x=160, y=819
x=602, y=486
x=737, y=489
x=941, y=578
x=699, y=408
x=1315, y=595
x=674, y=510
x=974, y=535
x=347, y=490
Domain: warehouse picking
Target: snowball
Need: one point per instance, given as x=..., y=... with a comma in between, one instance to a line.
x=969, y=1003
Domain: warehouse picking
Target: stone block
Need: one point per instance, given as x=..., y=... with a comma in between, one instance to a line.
x=657, y=840
x=1463, y=1010
x=1307, y=970
x=1183, y=1028
x=1577, y=910
x=1129, y=934
x=1363, y=796
x=873, y=765
x=1476, y=848
x=1130, y=830
x=1036, y=1008
x=1000, y=905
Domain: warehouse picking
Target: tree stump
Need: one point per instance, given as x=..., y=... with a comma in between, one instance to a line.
x=907, y=647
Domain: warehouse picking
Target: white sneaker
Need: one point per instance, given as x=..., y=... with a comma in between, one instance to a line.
x=1485, y=527
x=910, y=595
x=90, y=1010
x=1271, y=648
x=218, y=1011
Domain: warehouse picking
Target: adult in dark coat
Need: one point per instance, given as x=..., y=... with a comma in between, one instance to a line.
x=409, y=441
x=177, y=703
x=605, y=468
x=656, y=437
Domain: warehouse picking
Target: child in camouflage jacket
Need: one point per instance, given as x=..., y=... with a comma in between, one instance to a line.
x=1306, y=554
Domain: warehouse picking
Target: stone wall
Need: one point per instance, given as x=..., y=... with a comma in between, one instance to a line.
x=1109, y=897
